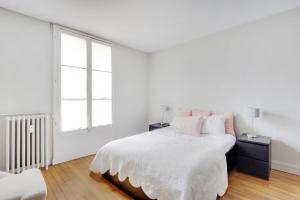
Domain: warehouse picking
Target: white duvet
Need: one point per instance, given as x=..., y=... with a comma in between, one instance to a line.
x=168, y=165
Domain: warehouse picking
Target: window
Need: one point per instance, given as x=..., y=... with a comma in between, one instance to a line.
x=85, y=81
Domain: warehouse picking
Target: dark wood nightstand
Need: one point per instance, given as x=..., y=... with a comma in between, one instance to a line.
x=157, y=126
x=254, y=155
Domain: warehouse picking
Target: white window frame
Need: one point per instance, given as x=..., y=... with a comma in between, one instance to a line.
x=57, y=30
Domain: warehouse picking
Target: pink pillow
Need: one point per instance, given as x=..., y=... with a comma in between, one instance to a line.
x=181, y=112
x=197, y=112
x=190, y=125
x=229, y=118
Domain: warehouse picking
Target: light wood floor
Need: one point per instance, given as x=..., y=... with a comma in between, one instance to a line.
x=71, y=181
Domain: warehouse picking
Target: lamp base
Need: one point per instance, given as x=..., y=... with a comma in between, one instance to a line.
x=164, y=124
x=252, y=135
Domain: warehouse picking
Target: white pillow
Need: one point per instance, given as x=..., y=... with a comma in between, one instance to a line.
x=188, y=125
x=214, y=125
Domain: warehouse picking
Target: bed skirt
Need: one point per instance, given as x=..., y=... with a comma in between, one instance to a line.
x=125, y=186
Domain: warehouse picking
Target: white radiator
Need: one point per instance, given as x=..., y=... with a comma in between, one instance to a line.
x=27, y=142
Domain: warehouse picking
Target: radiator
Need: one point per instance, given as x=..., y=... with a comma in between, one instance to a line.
x=27, y=142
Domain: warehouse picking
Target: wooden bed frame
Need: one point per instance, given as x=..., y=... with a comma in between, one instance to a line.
x=138, y=193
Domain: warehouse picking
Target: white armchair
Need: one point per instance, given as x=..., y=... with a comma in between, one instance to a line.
x=29, y=185
x=3, y=174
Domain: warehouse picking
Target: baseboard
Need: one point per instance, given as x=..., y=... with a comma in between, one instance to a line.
x=74, y=157
x=285, y=167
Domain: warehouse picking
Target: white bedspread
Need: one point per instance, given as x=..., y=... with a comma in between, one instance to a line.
x=168, y=165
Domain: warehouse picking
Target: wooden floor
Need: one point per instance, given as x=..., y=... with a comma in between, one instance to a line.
x=71, y=181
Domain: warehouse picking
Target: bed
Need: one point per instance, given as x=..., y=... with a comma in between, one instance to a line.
x=167, y=165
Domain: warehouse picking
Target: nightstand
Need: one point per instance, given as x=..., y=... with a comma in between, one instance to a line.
x=157, y=126
x=254, y=155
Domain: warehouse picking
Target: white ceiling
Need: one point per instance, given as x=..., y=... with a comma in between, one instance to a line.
x=150, y=25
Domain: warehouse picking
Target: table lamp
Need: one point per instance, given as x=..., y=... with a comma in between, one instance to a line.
x=253, y=113
x=164, y=109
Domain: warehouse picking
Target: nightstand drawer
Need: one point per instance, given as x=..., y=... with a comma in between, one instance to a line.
x=253, y=167
x=256, y=151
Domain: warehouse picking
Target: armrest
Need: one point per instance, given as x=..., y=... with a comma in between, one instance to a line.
x=28, y=185
x=4, y=174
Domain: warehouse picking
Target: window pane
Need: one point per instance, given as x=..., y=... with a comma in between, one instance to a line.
x=102, y=112
x=73, y=115
x=101, y=57
x=101, y=84
x=73, y=82
x=73, y=51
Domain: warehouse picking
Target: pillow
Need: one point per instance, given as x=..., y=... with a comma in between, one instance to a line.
x=183, y=112
x=214, y=125
x=197, y=112
x=189, y=125
x=229, y=119
x=180, y=112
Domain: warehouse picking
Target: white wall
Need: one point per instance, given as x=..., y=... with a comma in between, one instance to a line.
x=251, y=65
x=25, y=72
x=26, y=85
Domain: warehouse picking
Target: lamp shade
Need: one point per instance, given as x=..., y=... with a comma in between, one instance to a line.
x=164, y=108
x=253, y=112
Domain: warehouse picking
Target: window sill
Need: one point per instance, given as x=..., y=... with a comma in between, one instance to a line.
x=83, y=131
